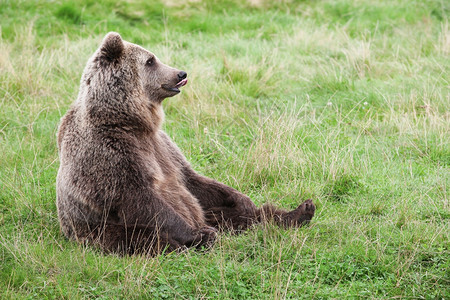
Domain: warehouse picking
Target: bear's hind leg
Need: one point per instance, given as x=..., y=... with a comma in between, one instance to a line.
x=233, y=219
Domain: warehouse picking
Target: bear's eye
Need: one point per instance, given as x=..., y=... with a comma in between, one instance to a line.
x=150, y=61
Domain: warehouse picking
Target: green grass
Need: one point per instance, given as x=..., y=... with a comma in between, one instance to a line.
x=346, y=102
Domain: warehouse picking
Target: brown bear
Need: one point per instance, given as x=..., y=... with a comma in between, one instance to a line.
x=123, y=185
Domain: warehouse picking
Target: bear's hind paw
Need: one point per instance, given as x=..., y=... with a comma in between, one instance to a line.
x=302, y=215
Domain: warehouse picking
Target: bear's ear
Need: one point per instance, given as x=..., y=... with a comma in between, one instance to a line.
x=112, y=46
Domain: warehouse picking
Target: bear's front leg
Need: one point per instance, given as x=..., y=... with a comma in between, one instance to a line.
x=147, y=240
x=182, y=236
x=164, y=227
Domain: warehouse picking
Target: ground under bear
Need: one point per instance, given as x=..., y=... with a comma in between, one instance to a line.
x=123, y=185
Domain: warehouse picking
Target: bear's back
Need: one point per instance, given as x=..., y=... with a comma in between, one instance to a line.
x=111, y=167
x=100, y=167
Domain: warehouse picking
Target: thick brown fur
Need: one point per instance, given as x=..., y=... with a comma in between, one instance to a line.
x=123, y=185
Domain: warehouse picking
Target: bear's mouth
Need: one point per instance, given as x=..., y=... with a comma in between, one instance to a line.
x=175, y=88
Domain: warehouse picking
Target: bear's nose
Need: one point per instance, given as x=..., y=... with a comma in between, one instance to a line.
x=182, y=75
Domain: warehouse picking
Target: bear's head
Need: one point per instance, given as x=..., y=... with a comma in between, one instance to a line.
x=140, y=67
x=122, y=81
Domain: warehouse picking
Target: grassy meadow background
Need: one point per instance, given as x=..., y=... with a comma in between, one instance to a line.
x=345, y=102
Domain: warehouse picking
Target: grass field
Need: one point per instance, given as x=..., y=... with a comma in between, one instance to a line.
x=345, y=102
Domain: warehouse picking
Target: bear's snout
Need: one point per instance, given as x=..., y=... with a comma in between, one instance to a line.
x=173, y=87
x=182, y=75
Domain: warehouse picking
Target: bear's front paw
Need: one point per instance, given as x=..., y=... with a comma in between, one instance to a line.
x=208, y=237
x=302, y=215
